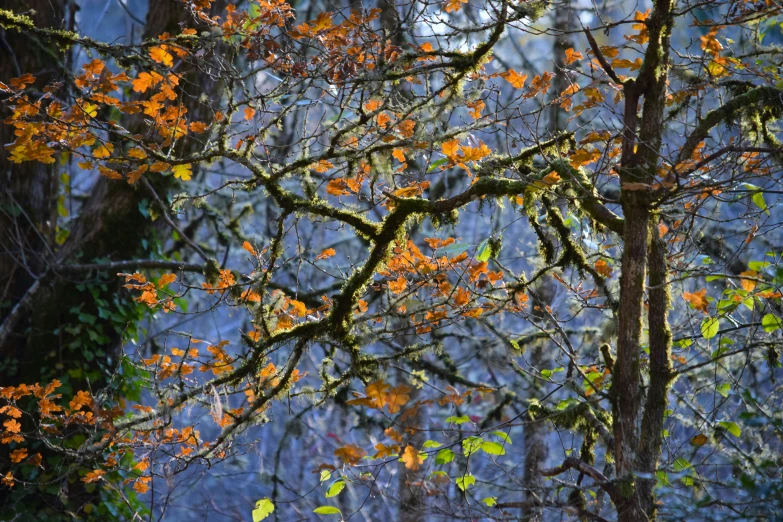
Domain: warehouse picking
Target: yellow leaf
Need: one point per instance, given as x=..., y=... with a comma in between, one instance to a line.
x=103, y=151
x=137, y=153
x=299, y=308
x=182, y=172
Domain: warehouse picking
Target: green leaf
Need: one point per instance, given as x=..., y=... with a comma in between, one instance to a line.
x=514, y=344
x=758, y=200
x=327, y=510
x=546, y=374
x=465, y=481
x=458, y=420
x=758, y=266
x=770, y=323
x=710, y=327
x=490, y=501
x=263, y=509
x=444, y=456
x=335, y=488
x=731, y=427
x=681, y=464
x=503, y=435
x=436, y=164
x=483, y=251
x=724, y=389
x=431, y=444
x=325, y=475
x=493, y=448
x=471, y=445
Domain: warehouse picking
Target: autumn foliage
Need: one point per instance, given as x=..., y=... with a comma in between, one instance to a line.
x=477, y=286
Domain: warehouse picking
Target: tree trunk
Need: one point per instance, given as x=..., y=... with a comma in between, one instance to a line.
x=54, y=326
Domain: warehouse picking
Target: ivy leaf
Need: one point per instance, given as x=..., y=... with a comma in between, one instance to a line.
x=263, y=509
x=327, y=510
x=710, y=327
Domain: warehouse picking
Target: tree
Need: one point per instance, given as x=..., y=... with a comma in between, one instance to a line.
x=325, y=178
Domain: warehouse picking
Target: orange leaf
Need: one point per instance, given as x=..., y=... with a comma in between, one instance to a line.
x=247, y=246
x=94, y=476
x=18, y=455
x=572, y=56
x=697, y=300
x=350, y=454
x=450, y=148
x=452, y=6
x=748, y=284
x=603, y=268
x=325, y=254
x=514, y=78
x=166, y=279
x=461, y=297
x=337, y=187
x=159, y=54
x=249, y=113
x=398, y=285
x=146, y=81
x=372, y=105
x=411, y=458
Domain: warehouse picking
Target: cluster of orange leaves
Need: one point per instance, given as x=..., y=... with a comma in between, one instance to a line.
x=80, y=411
x=149, y=291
